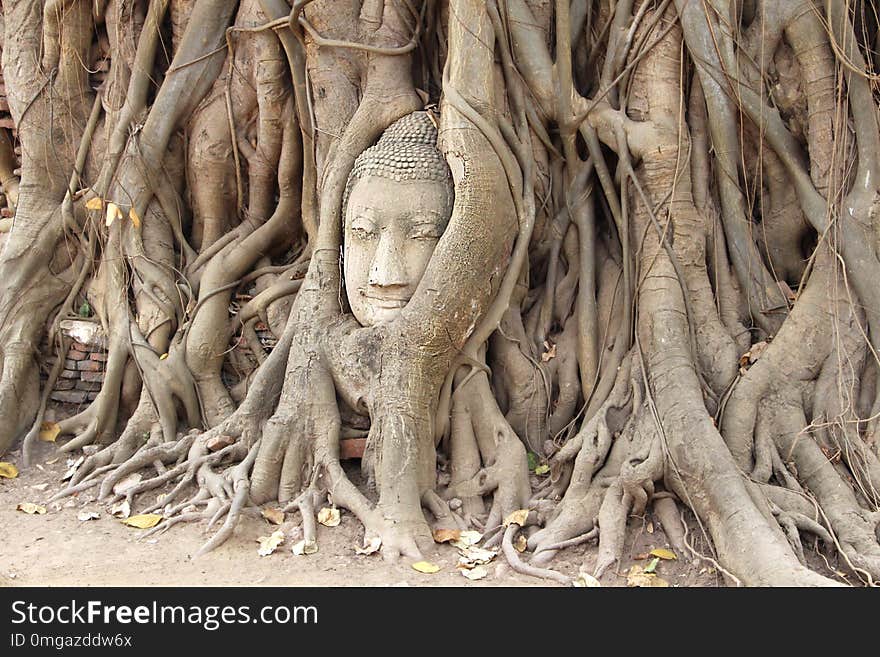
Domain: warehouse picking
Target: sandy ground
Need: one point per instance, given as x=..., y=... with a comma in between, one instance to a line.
x=57, y=549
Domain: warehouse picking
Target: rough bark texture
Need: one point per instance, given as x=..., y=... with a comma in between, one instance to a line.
x=658, y=277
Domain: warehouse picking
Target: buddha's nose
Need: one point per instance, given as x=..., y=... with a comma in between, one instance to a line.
x=388, y=268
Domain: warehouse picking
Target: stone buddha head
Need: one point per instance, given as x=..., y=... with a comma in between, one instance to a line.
x=397, y=203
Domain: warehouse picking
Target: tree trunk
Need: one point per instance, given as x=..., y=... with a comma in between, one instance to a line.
x=630, y=245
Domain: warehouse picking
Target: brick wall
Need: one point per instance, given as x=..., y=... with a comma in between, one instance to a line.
x=82, y=376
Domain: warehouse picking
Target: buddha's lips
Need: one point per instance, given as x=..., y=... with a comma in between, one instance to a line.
x=389, y=302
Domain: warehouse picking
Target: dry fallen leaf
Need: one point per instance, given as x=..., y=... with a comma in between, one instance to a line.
x=219, y=442
x=585, y=580
x=757, y=349
x=30, y=507
x=517, y=518
x=475, y=556
x=302, y=548
x=637, y=577
x=466, y=539
x=8, y=470
x=446, y=535
x=40, y=487
x=87, y=515
x=143, y=520
x=650, y=527
x=477, y=572
x=425, y=567
x=49, y=431
x=95, y=204
x=269, y=543
x=72, y=465
x=113, y=213
x=520, y=543
x=663, y=553
x=369, y=548
x=121, y=509
x=127, y=483
x=329, y=516
x=135, y=219
x=549, y=354
x=273, y=515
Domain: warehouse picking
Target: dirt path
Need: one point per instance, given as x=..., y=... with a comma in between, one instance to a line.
x=57, y=549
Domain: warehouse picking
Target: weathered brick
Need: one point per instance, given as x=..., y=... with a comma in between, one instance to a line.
x=64, y=384
x=100, y=356
x=92, y=376
x=69, y=374
x=79, y=346
x=89, y=386
x=352, y=448
x=76, y=354
x=69, y=396
x=69, y=364
x=89, y=366
x=92, y=396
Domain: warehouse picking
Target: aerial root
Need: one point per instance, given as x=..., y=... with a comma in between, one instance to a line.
x=237, y=482
x=666, y=512
x=523, y=568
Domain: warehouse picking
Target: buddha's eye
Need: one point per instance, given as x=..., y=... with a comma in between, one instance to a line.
x=426, y=231
x=363, y=230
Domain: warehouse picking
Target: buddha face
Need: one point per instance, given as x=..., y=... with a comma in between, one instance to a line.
x=391, y=230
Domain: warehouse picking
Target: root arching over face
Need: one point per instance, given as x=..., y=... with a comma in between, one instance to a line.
x=556, y=266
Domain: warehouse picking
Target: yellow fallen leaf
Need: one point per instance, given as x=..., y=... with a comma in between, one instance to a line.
x=517, y=518
x=30, y=507
x=663, y=553
x=369, y=547
x=8, y=470
x=520, y=543
x=273, y=515
x=135, y=219
x=49, y=431
x=542, y=469
x=637, y=577
x=302, y=548
x=269, y=543
x=585, y=580
x=425, y=567
x=143, y=520
x=163, y=356
x=95, y=204
x=113, y=213
x=446, y=535
x=474, y=573
x=329, y=516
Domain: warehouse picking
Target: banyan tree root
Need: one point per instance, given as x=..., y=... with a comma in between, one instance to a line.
x=657, y=276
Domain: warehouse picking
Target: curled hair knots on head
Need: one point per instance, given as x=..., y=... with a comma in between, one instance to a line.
x=406, y=151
